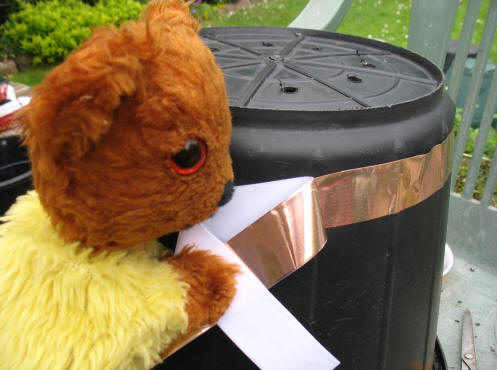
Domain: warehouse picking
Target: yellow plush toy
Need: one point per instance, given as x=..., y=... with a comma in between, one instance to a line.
x=128, y=141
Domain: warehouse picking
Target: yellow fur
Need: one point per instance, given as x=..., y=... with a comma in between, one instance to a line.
x=118, y=308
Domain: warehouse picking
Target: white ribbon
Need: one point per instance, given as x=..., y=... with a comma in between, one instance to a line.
x=256, y=321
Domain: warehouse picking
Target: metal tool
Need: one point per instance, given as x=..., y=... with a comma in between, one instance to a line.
x=468, y=352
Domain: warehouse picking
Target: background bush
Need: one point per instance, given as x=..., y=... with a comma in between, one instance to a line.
x=49, y=30
x=6, y=8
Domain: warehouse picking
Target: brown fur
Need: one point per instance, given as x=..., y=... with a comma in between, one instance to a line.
x=100, y=132
x=102, y=126
x=211, y=290
x=212, y=285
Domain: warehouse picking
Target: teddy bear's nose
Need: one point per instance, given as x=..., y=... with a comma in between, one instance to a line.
x=227, y=194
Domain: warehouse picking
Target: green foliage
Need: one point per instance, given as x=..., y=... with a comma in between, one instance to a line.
x=488, y=153
x=491, y=144
x=8, y=48
x=6, y=8
x=50, y=30
x=204, y=11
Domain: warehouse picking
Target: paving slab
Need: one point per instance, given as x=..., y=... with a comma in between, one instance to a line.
x=474, y=287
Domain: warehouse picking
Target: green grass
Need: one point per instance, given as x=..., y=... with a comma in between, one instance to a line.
x=32, y=76
x=488, y=153
x=388, y=20
x=480, y=181
x=261, y=13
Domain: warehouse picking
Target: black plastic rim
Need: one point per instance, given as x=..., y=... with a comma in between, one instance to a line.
x=287, y=69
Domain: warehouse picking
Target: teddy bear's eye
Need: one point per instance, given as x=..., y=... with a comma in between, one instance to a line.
x=190, y=158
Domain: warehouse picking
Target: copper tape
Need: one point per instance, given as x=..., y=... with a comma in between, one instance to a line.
x=293, y=232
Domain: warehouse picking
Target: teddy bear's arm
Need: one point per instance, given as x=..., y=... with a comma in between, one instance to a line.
x=212, y=285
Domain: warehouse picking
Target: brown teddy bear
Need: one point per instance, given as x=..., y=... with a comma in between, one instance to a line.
x=128, y=140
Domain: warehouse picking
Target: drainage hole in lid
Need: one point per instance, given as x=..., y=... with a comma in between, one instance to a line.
x=289, y=89
x=367, y=64
x=354, y=78
x=268, y=44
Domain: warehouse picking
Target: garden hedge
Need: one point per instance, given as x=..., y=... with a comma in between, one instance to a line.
x=49, y=30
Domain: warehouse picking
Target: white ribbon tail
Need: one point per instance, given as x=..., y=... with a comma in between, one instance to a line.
x=256, y=321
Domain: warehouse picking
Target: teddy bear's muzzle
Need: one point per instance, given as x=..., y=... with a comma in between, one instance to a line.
x=227, y=194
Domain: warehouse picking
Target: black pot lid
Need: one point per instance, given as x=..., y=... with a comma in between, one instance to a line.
x=306, y=70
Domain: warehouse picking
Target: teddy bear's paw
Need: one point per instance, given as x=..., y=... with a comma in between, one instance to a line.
x=212, y=285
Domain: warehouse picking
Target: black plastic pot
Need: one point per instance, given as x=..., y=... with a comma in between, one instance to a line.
x=310, y=103
x=15, y=171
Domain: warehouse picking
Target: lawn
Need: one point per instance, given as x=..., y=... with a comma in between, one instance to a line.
x=261, y=13
x=388, y=21
x=32, y=76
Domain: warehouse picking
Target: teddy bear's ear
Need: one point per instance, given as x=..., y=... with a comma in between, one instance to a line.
x=170, y=13
x=74, y=106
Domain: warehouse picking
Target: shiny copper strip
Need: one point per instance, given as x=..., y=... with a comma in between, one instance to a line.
x=293, y=232
x=285, y=238
x=363, y=194
x=277, y=244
